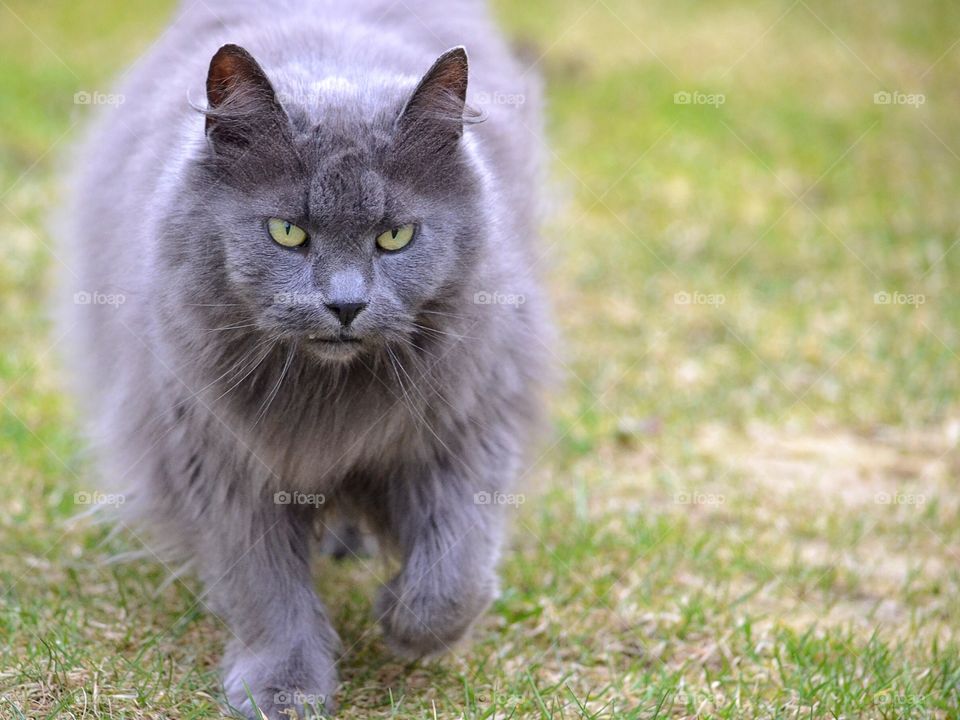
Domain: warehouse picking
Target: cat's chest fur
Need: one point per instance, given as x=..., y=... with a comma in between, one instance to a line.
x=318, y=424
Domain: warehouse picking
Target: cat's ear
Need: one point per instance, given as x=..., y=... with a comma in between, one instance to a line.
x=433, y=117
x=240, y=99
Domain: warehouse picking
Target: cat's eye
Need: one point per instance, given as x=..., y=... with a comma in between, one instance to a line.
x=396, y=239
x=286, y=233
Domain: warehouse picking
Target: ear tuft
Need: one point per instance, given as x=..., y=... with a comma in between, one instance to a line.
x=435, y=110
x=239, y=96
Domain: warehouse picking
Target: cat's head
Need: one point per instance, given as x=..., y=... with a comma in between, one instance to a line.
x=328, y=225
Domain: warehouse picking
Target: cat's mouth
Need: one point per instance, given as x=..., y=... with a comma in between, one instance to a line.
x=332, y=340
x=332, y=347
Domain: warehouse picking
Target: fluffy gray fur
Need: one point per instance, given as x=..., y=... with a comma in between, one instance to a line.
x=207, y=397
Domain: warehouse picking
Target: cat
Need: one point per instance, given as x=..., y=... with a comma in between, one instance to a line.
x=321, y=219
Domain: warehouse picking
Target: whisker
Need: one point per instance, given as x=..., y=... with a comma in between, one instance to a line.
x=235, y=366
x=230, y=327
x=271, y=345
x=405, y=399
x=425, y=422
x=426, y=328
x=211, y=304
x=443, y=314
x=412, y=344
x=276, y=388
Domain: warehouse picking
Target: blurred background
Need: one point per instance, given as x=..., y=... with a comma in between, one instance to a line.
x=748, y=505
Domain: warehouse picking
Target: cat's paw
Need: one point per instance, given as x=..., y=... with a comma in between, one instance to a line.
x=420, y=624
x=304, y=682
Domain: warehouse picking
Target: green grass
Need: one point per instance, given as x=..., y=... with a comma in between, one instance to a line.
x=746, y=509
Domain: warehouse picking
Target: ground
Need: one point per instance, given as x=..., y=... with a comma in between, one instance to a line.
x=748, y=503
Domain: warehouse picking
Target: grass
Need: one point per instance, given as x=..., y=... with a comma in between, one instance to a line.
x=748, y=506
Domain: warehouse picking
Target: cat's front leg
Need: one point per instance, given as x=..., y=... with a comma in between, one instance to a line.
x=449, y=534
x=282, y=649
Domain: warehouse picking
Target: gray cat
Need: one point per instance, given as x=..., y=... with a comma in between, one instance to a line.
x=320, y=249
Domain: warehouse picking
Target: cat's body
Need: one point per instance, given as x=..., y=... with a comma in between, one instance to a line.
x=213, y=405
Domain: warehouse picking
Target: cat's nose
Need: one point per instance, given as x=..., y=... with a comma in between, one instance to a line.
x=345, y=310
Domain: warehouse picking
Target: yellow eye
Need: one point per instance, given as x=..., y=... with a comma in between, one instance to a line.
x=396, y=239
x=286, y=233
